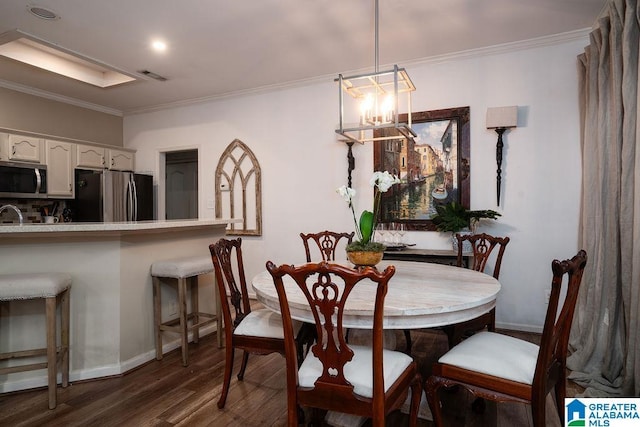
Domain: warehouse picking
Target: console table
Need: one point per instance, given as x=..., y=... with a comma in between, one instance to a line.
x=436, y=256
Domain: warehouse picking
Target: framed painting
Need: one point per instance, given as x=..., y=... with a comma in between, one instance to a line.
x=433, y=168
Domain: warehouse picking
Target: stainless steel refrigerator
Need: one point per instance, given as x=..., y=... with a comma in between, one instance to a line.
x=112, y=196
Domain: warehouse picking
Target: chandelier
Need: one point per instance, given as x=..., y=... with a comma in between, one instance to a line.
x=370, y=103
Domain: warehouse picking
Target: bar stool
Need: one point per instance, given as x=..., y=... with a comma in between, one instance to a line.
x=186, y=272
x=54, y=289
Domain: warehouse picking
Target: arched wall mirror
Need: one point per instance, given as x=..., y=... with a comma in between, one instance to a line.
x=238, y=185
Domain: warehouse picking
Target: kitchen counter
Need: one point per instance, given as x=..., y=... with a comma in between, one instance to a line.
x=105, y=228
x=111, y=293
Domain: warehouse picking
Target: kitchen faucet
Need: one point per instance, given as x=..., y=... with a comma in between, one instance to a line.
x=2, y=208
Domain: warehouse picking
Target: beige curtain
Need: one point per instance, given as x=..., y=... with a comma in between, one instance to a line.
x=604, y=345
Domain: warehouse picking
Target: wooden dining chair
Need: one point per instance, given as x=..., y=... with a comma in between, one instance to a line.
x=253, y=331
x=503, y=368
x=485, y=248
x=326, y=242
x=336, y=376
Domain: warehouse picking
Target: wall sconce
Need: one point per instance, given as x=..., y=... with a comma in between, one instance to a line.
x=501, y=119
x=351, y=162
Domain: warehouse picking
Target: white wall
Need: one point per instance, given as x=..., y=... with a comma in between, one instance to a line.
x=31, y=113
x=291, y=131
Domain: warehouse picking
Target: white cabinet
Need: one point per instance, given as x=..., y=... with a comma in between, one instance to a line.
x=62, y=158
x=120, y=160
x=60, y=162
x=89, y=156
x=94, y=157
x=4, y=147
x=25, y=148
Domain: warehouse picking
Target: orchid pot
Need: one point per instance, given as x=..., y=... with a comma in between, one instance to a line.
x=365, y=227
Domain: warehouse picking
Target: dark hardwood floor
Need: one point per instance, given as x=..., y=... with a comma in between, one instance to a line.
x=164, y=393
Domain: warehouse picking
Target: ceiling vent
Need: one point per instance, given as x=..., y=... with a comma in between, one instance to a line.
x=153, y=75
x=43, y=12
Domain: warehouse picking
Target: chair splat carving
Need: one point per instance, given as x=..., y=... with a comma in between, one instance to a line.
x=326, y=242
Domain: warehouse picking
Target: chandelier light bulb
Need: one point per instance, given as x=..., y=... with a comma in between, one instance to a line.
x=366, y=108
x=387, y=109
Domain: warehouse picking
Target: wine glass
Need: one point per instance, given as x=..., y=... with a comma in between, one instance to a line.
x=401, y=230
x=381, y=231
x=393, y=231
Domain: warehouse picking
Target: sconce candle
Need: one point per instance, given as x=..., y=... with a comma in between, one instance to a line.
x=501, y=119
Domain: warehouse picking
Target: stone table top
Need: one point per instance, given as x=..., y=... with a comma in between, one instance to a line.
x=420, y=295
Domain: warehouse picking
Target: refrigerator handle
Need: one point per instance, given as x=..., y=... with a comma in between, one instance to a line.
x=129, y=201
x=134, y=198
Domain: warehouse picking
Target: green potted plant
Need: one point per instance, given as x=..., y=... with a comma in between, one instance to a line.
x=366, y=245
x=456, y=218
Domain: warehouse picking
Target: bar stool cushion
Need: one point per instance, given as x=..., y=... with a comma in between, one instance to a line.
x=180, y=268
x=32, y=285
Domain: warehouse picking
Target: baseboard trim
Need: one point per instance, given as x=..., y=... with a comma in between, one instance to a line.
x=519, y=327
x=123, y=367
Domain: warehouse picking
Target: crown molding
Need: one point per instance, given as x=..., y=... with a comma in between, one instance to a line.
x=551, y=40
x=555, y=39
x=59, y=98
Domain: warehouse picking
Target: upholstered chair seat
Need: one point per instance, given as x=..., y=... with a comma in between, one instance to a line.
x=263, y=323
x=358, y=371
x=497, y=355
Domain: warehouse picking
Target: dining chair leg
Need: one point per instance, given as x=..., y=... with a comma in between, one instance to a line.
x=539, y=408
x=407, y=337
x=432, y=386
x=300, y=413
x=220, y=320
x=228, y=367
x=560, y=394
x=492, y=322
x=245, y=360
x=317, y=416
x=416, y=395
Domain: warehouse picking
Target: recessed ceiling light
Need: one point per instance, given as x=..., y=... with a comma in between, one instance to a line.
x=34, y=51
x=159, y=45
x=43, y=12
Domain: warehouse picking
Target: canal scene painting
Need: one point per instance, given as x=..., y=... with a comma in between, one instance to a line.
x=433, y=167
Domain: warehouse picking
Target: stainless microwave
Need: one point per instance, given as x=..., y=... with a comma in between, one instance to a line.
x=23, y=180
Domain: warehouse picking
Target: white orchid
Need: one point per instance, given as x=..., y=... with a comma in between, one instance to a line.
x=381, y=181
x=347, y=193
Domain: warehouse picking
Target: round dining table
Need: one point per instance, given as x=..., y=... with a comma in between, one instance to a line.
x=420, y=295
